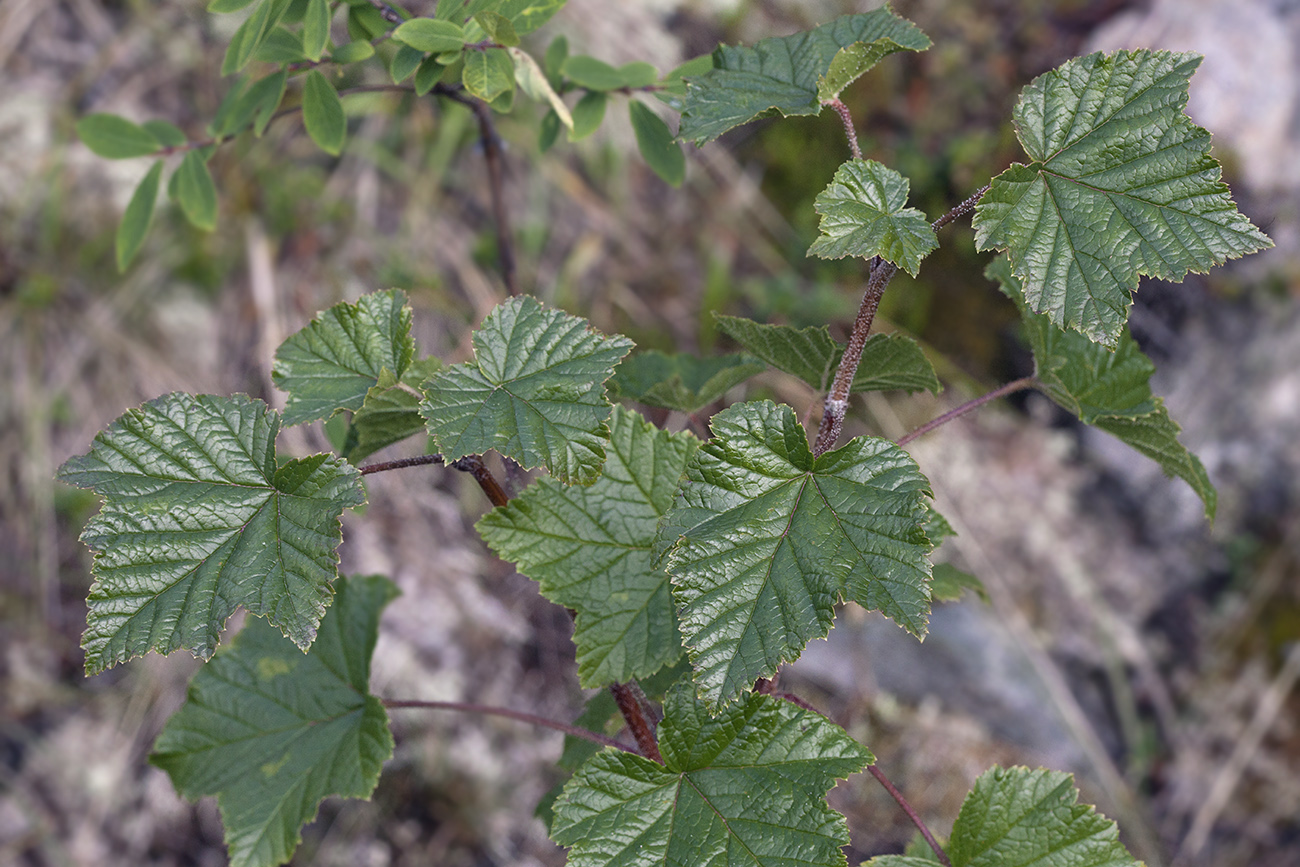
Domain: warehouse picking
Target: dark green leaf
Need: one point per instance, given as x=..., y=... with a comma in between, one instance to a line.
x=272, y=732
x=322, y=113
x=498, y=28
x=592, y=74
x=250, y=35
x=365, y=23
x=1122, y=184
x=864, y=213
x=488, y=73
x=680, y=381
x=950, y=583
x=590, y=549
x=268, y=92
x=588, y=114
x=1108, y=389
x=745, y=788
x=405, y=62
x=316, y=29
x=429, y=74
x=428, y=34
x=764, y=539
x=549, y=131
x=785, y=74
x=196, y=192
x=116, y=138
x=556, y=53
x=197, y=519
x=657, y=144
x=534, y=392
x=889, y=361
x=1019, y=816
x=135, y=222
x=391, y=411
x=337, y=358
x=280, y=46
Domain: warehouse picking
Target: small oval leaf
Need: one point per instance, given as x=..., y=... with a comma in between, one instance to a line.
x=135, y=222
x=660, y=151
x=316, y=29
x=322, y=113
x=428, y=34
x=196, y=192
x=116, y=138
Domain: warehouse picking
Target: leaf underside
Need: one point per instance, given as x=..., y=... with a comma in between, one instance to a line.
x=680, y=381
x=745, y=788
x=272, y=731
x=391, y=410
x=534, y=392
x=764, y=539
x=864, y=213
x=590, y=548
x=787, y=74
x=197, y=520
x=1121, y=183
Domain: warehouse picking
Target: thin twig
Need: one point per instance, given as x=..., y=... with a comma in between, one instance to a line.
x=529, y=718
x=958, y=412
x=388, y=12
x=473, y=464
x=626, y=699
x=847, y=119
x=964, y=208
x=496, y=184
x=911, y=814
x=401, y=463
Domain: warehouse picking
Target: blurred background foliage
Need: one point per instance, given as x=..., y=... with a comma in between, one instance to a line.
x=1192, y=643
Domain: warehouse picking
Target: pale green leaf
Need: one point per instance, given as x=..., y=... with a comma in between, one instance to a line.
x=353, y=52
x=1105, y=388
x=950, y=584
x=764, y=539
x=391, y=411
x=272, y=732
x=322, y=113
x=534, y=83
x=337, y=358
x=744, y=789
x=139, y=212
x=196, y=192
x=525, y=15
x=1019, y=816
x=428, y=34
x=1122, y=184
x=316, y=29
x=784, y=74
x=658, y=145
x=488, y=73
x=116, y=138
x=638, y=74
x=590, y=550
x=592, y=74
x=889, y=361
x=498, y=28
x=864, y=213
x=167, y=133
x=680, y=381
x=220, y=6
x=534, y=392
x=198, y=518
x=588, y=114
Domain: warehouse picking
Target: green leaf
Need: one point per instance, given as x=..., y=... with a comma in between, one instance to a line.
x=116, y=138
x=864, y=214
x=365, y=22
x=429, y=74
x=135, y=222
x=657, y=144
x=638, y=74
x=889, y=361
x=428, y=34
x=250, y=35
x=556, y=53
x=167, y=133
x=280, y=46
x=316, y=29
x=267, y=93
x=198, y=519
x=220, y=6
x=534, y=83
x=765, y=539
x=196, y=192
x=588, y=114
x=322, y=113
x=405, y=62
x=391, y=411
x=548, y=131
x=1122, y=184
x=680, y=381
x=488, y=73
x=592, y=74
x=1108, y=389
x=745, y=788
x=527, y=15
x=273, y=732
x=1019, y=816
x=498, y=28
x=534, y=392
x=590, y=550
x=337, y=358
x=353, y=52
x=950, y=583
x=786, y=74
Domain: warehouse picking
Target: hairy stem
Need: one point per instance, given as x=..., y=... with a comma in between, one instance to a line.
x=401, y=463
x=627, y=696
x=958, y=412
x=496, y=184
x=911, y=814
x=960, y=210
x=847, y=119
x=531, y=719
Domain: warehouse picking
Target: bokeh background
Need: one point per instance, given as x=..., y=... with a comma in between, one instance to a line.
x=1123, y=639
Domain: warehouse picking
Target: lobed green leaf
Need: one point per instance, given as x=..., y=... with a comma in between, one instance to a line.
x=864, y=214
x=534, y=392
x=273, y=732
x=391, y=410
x=590, y=549
x=680, y=381
x=198, y=518
x=764, y=539
x=1121, y=184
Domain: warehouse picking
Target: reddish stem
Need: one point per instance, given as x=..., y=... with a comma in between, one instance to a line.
x=958, y=412
x=496, y=185
x=911, y=814
x=847, y=119
x=627, y=698
x=472, y=464
x=531, y=719
x=401, y=463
